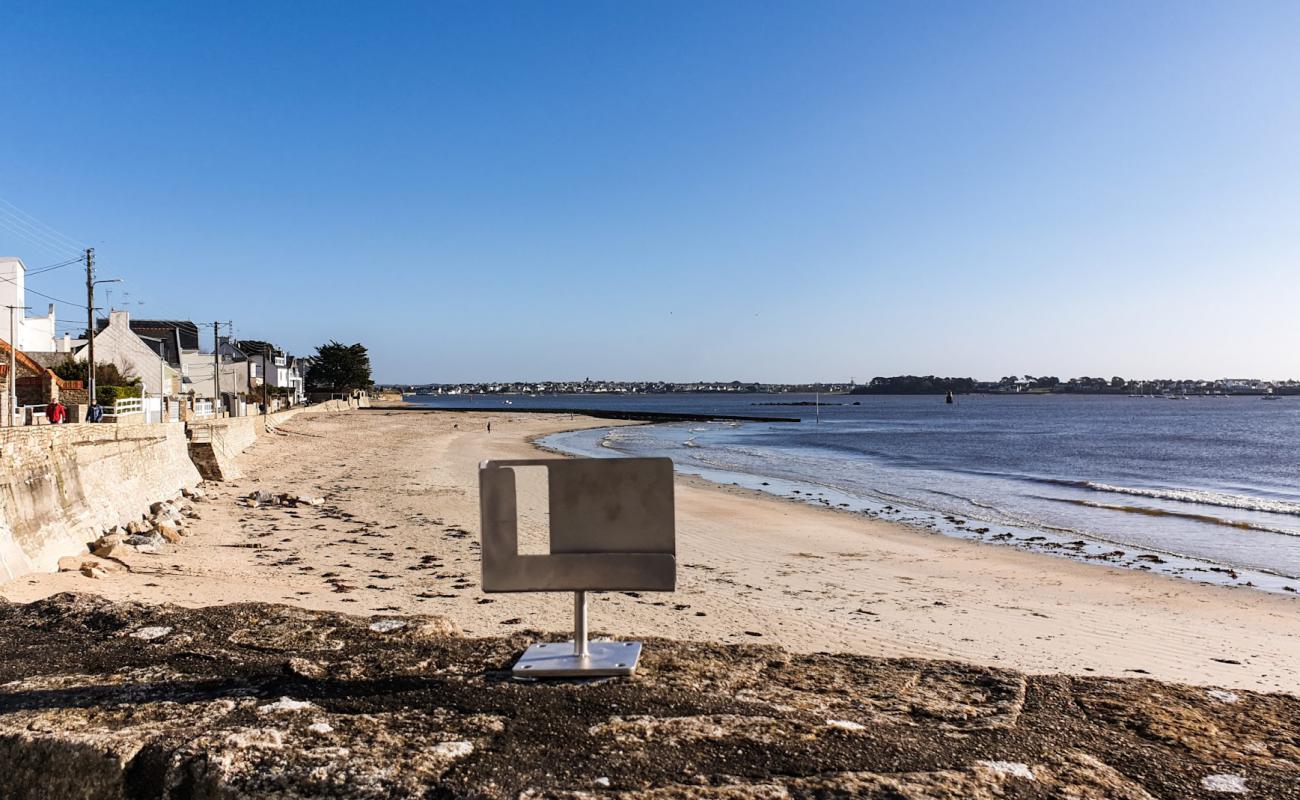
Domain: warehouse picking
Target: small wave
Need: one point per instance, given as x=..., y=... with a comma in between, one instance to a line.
x=690, y=442
x=964, y=499
x=1209, y=519
x=1199, y=497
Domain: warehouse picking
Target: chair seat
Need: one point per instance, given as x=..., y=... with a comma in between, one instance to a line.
x=570, y=572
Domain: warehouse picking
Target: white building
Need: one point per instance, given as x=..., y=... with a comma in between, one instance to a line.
x=117, y=344
x=29, y=332
x=197, y=369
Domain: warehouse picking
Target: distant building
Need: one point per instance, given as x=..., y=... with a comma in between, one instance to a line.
x=276, y=368
x=198, y=367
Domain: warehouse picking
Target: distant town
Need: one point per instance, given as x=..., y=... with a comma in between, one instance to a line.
x=901, y=384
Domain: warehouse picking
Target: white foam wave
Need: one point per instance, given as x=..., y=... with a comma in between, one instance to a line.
x=1201, y=497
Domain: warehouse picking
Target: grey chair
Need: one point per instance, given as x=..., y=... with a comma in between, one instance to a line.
x=611, y=529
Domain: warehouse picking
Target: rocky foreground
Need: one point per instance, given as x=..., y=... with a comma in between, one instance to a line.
x=105, y=700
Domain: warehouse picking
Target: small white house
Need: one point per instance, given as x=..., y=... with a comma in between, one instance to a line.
x=117, y=344
x=28, y=332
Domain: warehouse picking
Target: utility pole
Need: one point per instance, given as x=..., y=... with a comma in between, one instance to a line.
x=12, y=411
x=266, y=401
x=90, y=324
x=216, y=369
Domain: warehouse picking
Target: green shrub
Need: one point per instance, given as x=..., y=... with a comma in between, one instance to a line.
x=108, y=395
x=70, y=370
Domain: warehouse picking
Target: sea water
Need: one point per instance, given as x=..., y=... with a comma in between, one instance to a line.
x=1206, y=488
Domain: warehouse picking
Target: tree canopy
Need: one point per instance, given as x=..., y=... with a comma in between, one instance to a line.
x=340, y=368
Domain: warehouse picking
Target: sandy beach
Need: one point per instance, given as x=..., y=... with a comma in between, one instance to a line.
x=398, y=532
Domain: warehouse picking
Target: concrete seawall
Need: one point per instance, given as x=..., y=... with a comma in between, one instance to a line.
x=61, y=486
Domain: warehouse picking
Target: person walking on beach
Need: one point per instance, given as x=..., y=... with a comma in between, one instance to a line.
x=489, y=427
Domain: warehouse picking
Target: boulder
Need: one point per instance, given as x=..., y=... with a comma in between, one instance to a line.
x=70, y=563
x=92, y=570
x=146, y=543
x=169, y=533
x=109, y=546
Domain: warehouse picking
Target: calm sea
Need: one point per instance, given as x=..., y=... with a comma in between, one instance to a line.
x=1207, y=488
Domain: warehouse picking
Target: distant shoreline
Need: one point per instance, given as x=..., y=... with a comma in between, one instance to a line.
x=635, y=416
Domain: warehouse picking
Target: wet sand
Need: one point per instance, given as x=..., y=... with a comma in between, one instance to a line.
x=398, y=532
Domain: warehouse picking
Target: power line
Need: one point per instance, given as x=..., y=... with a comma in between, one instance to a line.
x=42, y=294
x=17, y=226
x=32, y=239
x=52, y=267
x=36, y=224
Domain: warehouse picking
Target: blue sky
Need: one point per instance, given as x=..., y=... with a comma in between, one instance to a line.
x=756, y=190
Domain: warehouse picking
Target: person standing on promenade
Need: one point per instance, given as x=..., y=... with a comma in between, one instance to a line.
x=55, y=413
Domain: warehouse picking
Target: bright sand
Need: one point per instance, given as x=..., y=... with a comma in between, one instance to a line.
x=751, y=568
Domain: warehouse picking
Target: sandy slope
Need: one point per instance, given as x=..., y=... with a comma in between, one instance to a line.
x=399, y=533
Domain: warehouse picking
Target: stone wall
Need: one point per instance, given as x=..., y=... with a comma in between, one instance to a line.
x=215, y=443
x=62, y=485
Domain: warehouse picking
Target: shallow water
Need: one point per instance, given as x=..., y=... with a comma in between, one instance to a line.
x=1181, y=486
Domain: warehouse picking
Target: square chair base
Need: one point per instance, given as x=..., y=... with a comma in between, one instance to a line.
x=556, y=660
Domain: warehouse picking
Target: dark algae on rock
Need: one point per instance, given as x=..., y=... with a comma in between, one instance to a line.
x=117, y=700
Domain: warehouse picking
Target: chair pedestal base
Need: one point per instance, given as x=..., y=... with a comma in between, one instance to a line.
x=557, y=660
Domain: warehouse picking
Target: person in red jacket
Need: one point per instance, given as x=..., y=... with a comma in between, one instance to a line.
x=55, y=413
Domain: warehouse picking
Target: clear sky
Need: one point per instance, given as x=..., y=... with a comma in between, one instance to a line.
x=752, y=190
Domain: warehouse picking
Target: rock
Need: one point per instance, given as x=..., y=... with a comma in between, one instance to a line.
x=103, y=699
x=146, y=543
x=71, y=563
x=387, y=625
x=92, y=569
x=304, y=668
x=110, y=546
x=168, y=532
x=286, y=704
x=158, y=508
x=433, y=627
x=136, y=526
x=151, y=632
x=1224, y=784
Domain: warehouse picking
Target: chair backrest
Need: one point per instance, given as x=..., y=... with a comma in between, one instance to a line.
x=612, y=526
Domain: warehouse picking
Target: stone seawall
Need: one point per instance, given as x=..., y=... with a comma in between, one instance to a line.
x=61, y=486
